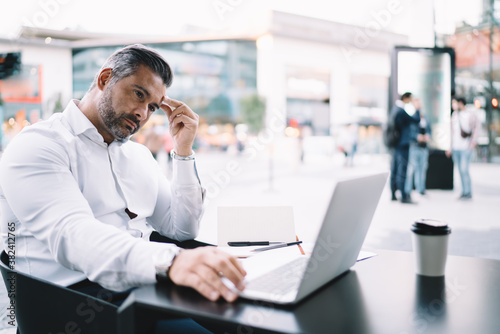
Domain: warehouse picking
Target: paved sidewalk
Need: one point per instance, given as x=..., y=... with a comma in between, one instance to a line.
x=475, y=223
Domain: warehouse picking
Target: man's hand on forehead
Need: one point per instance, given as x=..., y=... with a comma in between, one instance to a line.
x=183, y=124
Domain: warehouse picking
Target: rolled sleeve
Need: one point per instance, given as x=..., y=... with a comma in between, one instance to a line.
x=179, y=206
x=184, y=172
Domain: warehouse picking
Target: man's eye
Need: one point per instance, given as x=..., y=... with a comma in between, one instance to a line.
x=152, y=109
x=139, y=94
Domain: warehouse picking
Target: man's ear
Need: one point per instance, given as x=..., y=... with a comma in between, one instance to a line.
x=104, y=78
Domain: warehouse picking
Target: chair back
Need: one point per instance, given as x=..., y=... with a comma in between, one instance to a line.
x=39, y=306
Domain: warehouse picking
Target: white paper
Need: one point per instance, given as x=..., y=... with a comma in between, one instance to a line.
x=244, y=252
x=262, y=223
x=240, y=252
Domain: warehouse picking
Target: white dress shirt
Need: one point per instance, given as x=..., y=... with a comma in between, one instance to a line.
x=66, y=190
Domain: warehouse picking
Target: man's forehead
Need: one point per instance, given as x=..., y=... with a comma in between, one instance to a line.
x=150, y=81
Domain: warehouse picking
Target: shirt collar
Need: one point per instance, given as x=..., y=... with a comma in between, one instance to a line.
x=80, y=124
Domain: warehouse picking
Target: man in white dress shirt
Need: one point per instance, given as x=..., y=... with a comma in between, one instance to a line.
x=85, y=199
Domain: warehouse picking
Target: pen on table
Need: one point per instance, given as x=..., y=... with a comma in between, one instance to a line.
x=277, y=246
x=252, y=243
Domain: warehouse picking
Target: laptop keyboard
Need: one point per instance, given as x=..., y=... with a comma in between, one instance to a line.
x=281, y=280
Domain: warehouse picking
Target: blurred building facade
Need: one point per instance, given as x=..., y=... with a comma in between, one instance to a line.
x=477, y=76
x=211, y=76
x=314, y=75
x=41, y=87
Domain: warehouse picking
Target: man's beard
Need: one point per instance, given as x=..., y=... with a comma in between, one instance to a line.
x=114, y=123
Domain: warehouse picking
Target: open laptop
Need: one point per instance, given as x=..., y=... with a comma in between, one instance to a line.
x=270, y=277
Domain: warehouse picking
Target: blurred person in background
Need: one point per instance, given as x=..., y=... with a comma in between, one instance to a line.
x=92, y=211
x=154, y=137
x=347, y=143
x=405, y=112
x=418, y=156
x=464, y=129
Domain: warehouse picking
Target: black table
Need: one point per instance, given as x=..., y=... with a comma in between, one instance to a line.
x=378, y=295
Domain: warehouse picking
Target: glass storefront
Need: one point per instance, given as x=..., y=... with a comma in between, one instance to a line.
x=22, y=101
x=210, y=76
x=477, y=76
x=368, y=100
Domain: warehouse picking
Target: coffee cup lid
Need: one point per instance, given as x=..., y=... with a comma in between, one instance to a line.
x=430, y=227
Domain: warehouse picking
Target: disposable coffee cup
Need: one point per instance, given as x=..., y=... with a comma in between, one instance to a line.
x=430, y=246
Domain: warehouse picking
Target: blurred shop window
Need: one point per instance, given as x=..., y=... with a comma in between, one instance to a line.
x=24, y=86
x=216, y=137
x=308, y=98
x=210, y=76
x=368, y=99
x=368, y=90
x=311, y=113
x=12, y=126
x=22, y=100
x=10, y=64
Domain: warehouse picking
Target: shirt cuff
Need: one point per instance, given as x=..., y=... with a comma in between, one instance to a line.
x=184, y=172
x=141, y=264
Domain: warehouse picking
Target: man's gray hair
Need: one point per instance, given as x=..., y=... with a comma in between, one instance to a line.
x=125, y=62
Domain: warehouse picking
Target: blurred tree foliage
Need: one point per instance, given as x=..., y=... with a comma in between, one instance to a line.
x=58, y=106
x=253, y=110
x=219, y=109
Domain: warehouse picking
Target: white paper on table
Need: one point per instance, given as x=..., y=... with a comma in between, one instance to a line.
x=240, y=252
x=262, y=223
x=244, y=252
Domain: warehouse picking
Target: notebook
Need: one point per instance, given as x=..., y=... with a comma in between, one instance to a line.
x=273, y=278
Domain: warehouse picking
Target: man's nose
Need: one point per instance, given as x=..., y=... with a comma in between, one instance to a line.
x=141, y=112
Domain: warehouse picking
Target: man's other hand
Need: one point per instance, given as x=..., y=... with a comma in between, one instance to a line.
x=203, y=268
